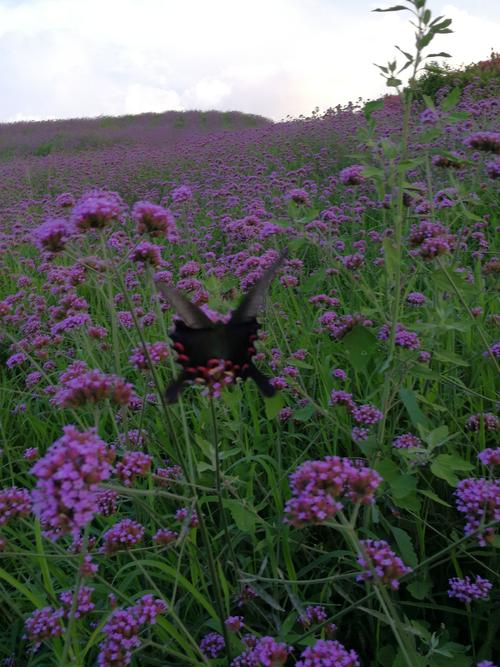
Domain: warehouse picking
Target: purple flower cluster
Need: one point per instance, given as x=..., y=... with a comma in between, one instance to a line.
x=490, y=421
x=212, y=644
x=96, y=209
x=313, y=614
x=484, y=141
x=416, y=299
x=378, y=559
x=164, y=536
x=84, y=603
x=123, y=535
x=234, y=623
x=467, y=590
x=153, y=220
x=53, y=234
x=43, y=624
x=328, y=653
x=146, y=252
x=14, y=502
x=490, y=457
x=430, y=239
x=352, y=175
x=318, y=486
x=68, y=477
x=123, y=628
x=79, y=385
x=406, y=441
x=479, y=500
x=265, y=652
x=157, y=353
x=133, y=464
x=403, y=338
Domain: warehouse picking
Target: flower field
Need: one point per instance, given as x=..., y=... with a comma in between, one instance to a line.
x=347, y=513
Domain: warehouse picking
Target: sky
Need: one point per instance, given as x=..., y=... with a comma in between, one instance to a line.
x=87, y=58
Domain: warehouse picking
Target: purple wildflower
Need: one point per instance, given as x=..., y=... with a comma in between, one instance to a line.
x=53, y=234
x=132, y=465
x=479, y=500
x=490, y=457
x=43, y=624
x=379, y=559
x=84, y=603
x=352, y=175
x=234, y=623
x=212, y=644
x=123, y=535
x=406, y=440
x=153, y=219
x=466, y=590
x=328, y=653
x=68, y=476
x=366, y=414
x=14, y=502
x=96, y=209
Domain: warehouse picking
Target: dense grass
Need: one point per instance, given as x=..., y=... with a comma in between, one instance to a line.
x=344, y=299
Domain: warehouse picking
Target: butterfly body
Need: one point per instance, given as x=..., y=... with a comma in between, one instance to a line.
x=216, y=353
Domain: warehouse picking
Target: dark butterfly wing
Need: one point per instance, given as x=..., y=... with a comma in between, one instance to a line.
x=174, y=389
x=254, y=300
x=187, y=311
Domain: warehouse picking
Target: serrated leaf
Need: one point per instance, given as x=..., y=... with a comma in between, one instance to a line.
x=388, y=469
x=242, y=517
x=406, y=547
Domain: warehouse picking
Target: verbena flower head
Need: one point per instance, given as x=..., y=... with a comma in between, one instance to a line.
x=133, y=464
x=96, y=209
x=265, y=652
x=79, y=385
x=234, y=623
x=146, y=252
x=484, y=141
x=298, y=195
x=14, y=502
x=53, y=234
x=406, y=441
x=152, y=219
x=352, y=175
x=319, y=486
x=381, y=561
x=157, y=353
x=467, y=590
x=212, y=644
x=490, y=457
x=328, y=653
x=123, y=628
x=313, y=614
x=479, y=500
x=43, y=624
x=84, y=603
x=123, y=535
x=68, y=477
x=488, y=419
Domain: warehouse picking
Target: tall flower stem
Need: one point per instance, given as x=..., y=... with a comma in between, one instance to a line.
x=388, y=608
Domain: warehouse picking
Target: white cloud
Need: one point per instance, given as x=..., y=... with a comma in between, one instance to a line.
x=67, y=58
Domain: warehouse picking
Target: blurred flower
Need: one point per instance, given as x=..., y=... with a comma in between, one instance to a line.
x=379, y=559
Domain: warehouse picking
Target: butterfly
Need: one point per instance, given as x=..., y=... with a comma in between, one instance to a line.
x=216, y=353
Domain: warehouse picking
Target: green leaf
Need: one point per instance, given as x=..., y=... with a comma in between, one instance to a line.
x=442, y=54
x=410, y=402
x=393, y=82
x=370, y=107
x=451, y=100
x=436, y=436
x=450, y=358
x=420, y=589
x=405, y=546
x=242, y=517
x=273, y=405
x=359, y=346
x=394, y=8
x=403, y=486
x=387, y=469
x=410, y=502
x=429, y=103
x=434, y=497
x=305, y=413
x=370, y=172
x=445, y=465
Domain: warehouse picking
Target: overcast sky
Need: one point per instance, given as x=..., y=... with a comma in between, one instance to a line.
x=74, y=58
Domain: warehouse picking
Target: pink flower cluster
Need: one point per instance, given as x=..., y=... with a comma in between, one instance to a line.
x=123, y=628
x=68, y=477
x=379, y=559
x=318, y=487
